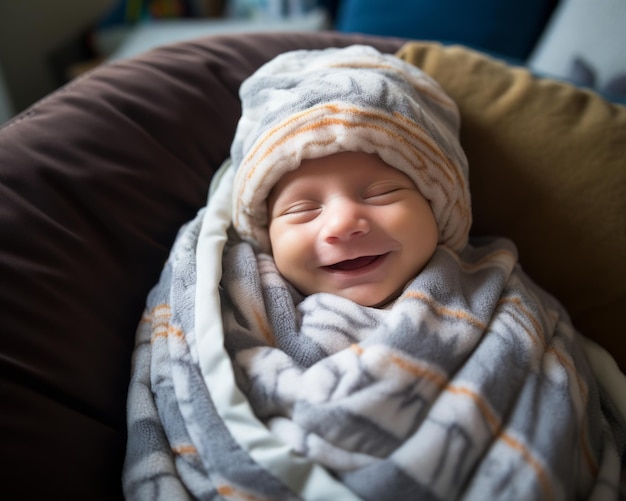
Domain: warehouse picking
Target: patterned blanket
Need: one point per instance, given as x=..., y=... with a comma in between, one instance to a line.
x=471, y=385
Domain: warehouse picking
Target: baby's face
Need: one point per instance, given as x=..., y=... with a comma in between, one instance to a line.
x=351, y=225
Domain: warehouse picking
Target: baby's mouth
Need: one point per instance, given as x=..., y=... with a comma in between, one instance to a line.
x=353, y=264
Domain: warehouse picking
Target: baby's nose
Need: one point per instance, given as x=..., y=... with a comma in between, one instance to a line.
x=345, y=221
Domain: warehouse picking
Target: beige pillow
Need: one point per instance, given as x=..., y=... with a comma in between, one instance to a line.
x=547, y=169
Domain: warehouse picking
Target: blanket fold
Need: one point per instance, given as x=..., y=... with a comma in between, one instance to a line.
x=473, y=384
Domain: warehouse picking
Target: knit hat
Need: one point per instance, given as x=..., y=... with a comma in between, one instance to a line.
x=309, y=104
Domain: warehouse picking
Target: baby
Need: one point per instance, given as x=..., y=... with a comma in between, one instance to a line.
x=366, y=332
x=389, y=121
x=351, y=225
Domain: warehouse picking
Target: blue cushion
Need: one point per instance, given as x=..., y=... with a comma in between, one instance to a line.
x=507, y=28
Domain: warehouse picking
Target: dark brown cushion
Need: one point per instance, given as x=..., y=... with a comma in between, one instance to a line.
x=547, y=167
x=95, y=181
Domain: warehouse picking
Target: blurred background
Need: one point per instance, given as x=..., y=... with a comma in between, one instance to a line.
x=31, y=32
x=44, y=44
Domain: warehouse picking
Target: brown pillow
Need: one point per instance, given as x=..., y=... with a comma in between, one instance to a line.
x=547, y=169
x=95, y=181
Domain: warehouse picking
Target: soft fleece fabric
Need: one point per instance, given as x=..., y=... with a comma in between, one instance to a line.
x=477, y=387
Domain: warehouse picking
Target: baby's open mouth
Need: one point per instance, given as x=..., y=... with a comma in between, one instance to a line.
x=353, y=264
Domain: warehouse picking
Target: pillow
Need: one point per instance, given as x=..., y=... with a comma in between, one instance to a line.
x=509, y=29
x=547, y=169
x=584, y=43
x=95, y=181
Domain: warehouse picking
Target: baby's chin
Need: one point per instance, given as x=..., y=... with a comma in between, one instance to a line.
x=384, y=302
x=366, y=298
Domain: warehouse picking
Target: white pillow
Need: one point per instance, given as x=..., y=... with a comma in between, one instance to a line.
x=585, y=42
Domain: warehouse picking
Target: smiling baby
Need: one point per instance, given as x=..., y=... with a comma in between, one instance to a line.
x=349, y=171
x=351, y=225
x=366, y=331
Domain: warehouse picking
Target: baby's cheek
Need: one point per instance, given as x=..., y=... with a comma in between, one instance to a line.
x=286, y=243
x=286, y=234
x=400, y=219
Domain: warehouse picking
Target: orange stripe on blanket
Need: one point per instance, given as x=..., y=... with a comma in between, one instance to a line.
x=536, y=325
x=496, y=428
x=520, y=306
x=419, y=371
x=160, y=317
x=414, y=368
x=542, y=475
x=492, y=420
x=157, y=311
x=441, y=382
x=365, y=124
x=234, y=493
x=592, y=464
x=169, y=331
x=368, y=118
x=444, y=311
x=182, y=450
x=568, y=367
x=266, y=331
x=443, y=163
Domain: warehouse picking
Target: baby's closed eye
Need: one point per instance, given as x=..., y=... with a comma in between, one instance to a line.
x=299, y=212
x=301, y=207
x=384, y=193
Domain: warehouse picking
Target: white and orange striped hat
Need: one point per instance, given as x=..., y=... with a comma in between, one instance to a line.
x=310, y=104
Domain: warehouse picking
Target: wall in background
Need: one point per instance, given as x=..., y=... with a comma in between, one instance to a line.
x=30, y=33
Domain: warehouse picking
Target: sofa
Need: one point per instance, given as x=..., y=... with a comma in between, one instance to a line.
x=97, y=178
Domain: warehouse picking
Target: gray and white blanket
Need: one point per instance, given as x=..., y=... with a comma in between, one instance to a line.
x=471, y=385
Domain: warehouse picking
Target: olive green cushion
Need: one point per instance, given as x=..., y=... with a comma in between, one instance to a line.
x=547, y=169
